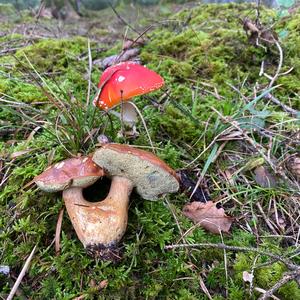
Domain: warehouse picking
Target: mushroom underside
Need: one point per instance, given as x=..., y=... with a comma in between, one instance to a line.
x=150, y=179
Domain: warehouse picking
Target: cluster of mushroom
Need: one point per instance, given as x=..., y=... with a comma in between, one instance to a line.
x=101, y=225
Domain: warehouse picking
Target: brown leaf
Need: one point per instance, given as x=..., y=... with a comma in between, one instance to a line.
x=208, y=216
x=264, y=178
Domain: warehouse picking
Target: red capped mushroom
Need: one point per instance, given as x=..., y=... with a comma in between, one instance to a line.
x=122, y=82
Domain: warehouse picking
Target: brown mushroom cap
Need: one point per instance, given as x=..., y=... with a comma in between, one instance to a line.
x=150, y=175
x=72, y=172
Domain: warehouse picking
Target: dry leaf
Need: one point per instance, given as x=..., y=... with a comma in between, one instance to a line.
x=264, y=178
x=208, y=216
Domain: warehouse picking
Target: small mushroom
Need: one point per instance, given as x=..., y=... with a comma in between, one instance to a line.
x=128, y=167
x=71, y=176
x=122, y=82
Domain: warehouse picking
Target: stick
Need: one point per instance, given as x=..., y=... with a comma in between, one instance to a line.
x=290, y=265
x=21, y=275
x=286, y=108
x=286, y=278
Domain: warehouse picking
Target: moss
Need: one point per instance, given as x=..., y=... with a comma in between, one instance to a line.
x=52, y=55
x=7, y=9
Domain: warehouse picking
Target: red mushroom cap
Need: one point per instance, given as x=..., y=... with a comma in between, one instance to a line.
x=124, y=81
x=75, y=172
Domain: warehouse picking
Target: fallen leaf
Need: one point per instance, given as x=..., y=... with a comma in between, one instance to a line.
x=208, y=216
x=264, y=178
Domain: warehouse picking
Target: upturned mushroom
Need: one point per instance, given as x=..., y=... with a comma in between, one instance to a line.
x=122, y=82
x=71, y=176
x=128, y=168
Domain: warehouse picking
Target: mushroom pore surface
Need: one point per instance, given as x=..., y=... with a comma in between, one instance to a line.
x=150, y=179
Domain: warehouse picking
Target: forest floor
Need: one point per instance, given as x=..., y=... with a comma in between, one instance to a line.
x=227, y=118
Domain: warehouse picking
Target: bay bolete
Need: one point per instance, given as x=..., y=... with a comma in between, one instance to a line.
x=71, y=176
x=128, y=168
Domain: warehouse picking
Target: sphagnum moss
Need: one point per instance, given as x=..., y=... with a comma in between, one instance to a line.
x=208, y=52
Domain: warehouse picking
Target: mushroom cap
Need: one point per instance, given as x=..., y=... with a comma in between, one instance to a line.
x=150, y=175
x=73, y=172
x=124, y=81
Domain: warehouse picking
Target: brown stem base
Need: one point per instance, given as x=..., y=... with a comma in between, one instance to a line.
x=104, y=252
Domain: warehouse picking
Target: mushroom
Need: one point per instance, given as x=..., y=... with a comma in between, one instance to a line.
x=71, y=176
x=127, y=167
x=101, y=225
x=123, y=81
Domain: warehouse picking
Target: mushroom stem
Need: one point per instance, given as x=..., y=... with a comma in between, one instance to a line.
x=100, y=225
x=128, y=114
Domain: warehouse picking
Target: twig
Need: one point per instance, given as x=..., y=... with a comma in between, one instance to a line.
x=279, y=64
x=176, y=220
x=122, y=19
x=21, y=275
x=286, y=108
x=204, y=288
x=286, y=278
x=225, y=265
x=289, y=264
x=260, y=290
x=268, y=222
x=252, y=274
x=37, y=17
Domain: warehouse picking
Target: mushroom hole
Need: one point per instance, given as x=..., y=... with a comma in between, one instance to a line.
x=98, y=191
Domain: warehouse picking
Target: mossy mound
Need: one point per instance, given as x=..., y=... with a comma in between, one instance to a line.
x=207, y=49
x=7, y=9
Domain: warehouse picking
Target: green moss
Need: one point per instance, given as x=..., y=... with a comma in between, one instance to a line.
x=7, y=9
x=52, y=55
